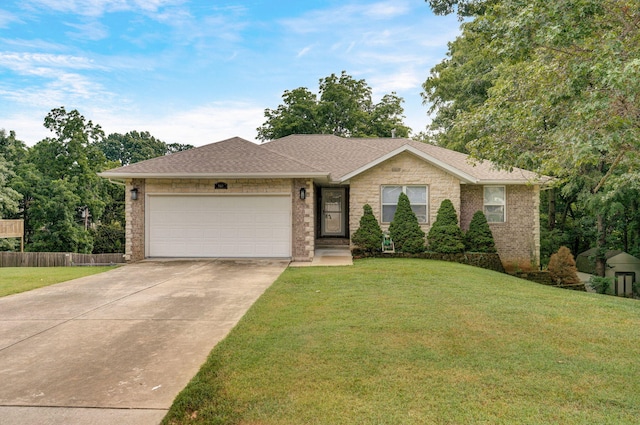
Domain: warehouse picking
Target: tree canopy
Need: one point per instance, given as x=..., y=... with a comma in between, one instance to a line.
x=343, y=107
x=136, y=146
x=55, y=188
x=547, y=86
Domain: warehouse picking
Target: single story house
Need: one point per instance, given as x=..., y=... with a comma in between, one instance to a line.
x=623, y=268
x=235, y=198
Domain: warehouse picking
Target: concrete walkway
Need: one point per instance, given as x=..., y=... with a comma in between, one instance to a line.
x=116, y=348
x=338, y=256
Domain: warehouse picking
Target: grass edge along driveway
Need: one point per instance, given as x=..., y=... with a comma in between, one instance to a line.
x=14, y=280
x=391, y=341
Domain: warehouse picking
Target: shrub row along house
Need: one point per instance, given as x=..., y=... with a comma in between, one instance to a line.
x=235, y=198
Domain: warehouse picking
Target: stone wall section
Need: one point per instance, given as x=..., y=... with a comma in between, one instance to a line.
x=134, y=217
x=303, y=221
x=403, y=169
x=518, y=239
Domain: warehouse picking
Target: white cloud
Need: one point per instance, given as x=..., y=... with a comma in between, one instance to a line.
x=197, y=126
x=6, y=18
x=346, y=17
x=386, y=10
x=402, y=80
x=91, y=30
x=304, y=51
x=96, y=8
x=65, y=89
x=34, y=63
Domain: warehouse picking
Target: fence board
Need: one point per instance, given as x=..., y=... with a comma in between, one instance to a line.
x=57, y=259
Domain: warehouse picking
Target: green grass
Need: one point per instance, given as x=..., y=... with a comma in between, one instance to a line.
x=420, y=342
x=14, y=280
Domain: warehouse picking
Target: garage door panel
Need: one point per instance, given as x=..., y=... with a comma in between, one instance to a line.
x=219, y=226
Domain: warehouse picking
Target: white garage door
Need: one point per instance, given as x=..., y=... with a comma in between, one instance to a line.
x=219, y=226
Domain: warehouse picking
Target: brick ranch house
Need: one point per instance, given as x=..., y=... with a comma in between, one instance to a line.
x=235, y=198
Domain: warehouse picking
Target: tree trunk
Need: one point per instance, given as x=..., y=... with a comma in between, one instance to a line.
x=601, y=251
x=552, y=209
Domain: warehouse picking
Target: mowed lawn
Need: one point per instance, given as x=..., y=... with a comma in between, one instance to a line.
x=14, y=280
x=392, y=341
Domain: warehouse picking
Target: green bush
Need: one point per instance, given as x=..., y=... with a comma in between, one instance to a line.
x=368, y=237
x=108, y=238
x=602, y=285
x=479, y=237
x=445, y=235
x=405, y=230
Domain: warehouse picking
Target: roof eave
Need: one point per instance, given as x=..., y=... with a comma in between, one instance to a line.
x=294, y=175
x=509, y=182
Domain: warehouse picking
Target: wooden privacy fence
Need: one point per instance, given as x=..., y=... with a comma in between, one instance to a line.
x=57, y=259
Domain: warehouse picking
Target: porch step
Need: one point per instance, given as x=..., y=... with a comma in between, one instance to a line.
x=332, y=242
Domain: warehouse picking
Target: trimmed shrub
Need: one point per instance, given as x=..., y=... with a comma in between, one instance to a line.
x=479, y=237
x=562, y=267
x=368, y=237
x=445, y=235
x=405, y=230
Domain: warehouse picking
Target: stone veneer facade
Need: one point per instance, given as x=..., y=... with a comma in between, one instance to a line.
x=302, y=211
x=403, y=169
x=517, y=240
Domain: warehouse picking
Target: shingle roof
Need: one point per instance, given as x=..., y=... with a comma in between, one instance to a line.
x=312, y=156
x=231, y=157
x=341, y=157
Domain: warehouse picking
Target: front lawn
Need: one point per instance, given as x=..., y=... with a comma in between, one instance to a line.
x=20, y=279
x=392, y=341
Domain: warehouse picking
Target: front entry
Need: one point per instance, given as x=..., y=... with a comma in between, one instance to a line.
x=333, y=221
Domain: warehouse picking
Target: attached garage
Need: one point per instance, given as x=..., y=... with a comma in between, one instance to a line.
x=218, y=226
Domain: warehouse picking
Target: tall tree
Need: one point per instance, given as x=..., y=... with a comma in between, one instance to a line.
x=12, y=152
x=563, y=93
x=64, y=193
x=136, y=146
x=343, y=107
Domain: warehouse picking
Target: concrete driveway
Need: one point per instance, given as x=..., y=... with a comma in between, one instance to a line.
x=118, y=347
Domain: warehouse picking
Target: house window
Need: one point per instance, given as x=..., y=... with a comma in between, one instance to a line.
x=417, y=197
x=495, y=200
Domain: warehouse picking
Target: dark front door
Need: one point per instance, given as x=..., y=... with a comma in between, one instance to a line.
x=333, y=221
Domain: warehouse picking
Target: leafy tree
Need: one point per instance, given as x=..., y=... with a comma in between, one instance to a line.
x=562, y=267
x=62, y=191
x=135, y=147
x=404, y=229
x=12, y=153
x=561, y=77
x=343, y=107
x=12, y=149
x=108, y=238
x=9, y=197
x=368, y=237
x=479, y=237
x=463, y=8
x=445, y=235
x=55, y=210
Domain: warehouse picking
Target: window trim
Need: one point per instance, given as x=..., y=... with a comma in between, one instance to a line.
x=403, y=188
x=503, y=204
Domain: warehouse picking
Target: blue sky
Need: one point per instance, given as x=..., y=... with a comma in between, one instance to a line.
x=201, y=71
